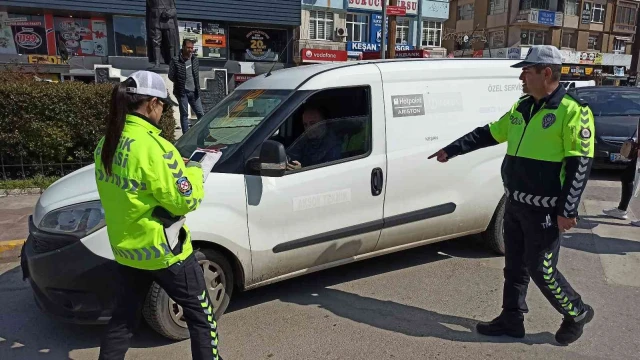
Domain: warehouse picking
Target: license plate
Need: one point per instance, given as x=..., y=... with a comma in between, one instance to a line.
x=615, y=157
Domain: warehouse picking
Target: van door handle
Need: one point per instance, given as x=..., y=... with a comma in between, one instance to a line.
x=377, y=179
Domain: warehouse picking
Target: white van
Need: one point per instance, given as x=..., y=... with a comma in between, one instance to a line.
x=366, y=187
x=577, y=83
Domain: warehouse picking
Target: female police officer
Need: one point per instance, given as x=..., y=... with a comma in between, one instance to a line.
x=146, y=189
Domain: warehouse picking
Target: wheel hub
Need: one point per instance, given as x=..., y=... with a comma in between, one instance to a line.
x=216, y=287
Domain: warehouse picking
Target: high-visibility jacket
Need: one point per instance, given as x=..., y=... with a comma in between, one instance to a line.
x=550, y=147
x=147, y=172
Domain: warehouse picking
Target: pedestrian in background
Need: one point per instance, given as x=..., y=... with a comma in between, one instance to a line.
x=146, y=193
x=184, y=72
x=550, y=137
x=627, y=179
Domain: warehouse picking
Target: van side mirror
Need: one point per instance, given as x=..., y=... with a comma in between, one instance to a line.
x=273, y=159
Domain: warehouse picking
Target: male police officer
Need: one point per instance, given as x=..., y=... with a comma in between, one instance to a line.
x=550, y=138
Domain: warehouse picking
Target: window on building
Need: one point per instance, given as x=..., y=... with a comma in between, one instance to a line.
x=496, y=39
x=626, y=15
x=533, y=37
x=497, y=7
x=571, y=7
x=592, y=43
x=321, y=25
x=567, y=38
x=402, y=30
x=534, y=4
x=357, y=27
x=431, y=33
x=598, y=13
x=465, y=12
x=130, y=36
x=619, y=46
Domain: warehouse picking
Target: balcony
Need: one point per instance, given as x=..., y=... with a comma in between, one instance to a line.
x=540, y=17
x=624, y=28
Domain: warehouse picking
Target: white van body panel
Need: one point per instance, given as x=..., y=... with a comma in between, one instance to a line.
x=458, y=97
x=297, y=206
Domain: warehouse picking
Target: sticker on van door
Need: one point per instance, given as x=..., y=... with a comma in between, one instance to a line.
x=407, y=105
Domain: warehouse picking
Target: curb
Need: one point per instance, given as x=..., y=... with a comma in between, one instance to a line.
x=18, y=192
x=8, y=245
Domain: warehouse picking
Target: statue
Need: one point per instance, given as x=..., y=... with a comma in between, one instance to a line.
x=163, y=39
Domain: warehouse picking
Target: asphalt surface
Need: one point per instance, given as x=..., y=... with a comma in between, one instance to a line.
x=416, y=304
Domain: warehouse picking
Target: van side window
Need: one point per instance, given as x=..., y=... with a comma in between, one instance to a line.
x=332, y=126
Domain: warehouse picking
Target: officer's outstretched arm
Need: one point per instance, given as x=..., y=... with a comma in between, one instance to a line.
x=488, y=135
x=578, y=135
x=177, y=187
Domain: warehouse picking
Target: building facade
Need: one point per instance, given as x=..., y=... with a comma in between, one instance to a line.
x=594, y=36
x=258, y=32
x=341, y=30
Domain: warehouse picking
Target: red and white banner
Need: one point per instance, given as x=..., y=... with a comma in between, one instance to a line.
x=321, y=55
x=240, y=78
x=376, y=5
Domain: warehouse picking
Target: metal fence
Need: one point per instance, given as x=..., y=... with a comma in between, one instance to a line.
x=18, y=167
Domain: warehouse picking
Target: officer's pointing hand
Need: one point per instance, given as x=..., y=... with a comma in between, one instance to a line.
x=442, y=156
x=565, y=224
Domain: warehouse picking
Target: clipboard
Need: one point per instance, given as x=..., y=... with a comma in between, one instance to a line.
x=207, y=159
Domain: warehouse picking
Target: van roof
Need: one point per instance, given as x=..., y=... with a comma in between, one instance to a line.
x=294, y=77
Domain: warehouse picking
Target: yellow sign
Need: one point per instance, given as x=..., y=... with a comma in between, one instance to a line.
x=588, y=71
x=565, y=69
x=45, y=59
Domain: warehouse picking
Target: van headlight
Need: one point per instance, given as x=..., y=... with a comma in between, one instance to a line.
x=78, y=220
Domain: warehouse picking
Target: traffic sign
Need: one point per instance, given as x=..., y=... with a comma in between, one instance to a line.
x=396, y=10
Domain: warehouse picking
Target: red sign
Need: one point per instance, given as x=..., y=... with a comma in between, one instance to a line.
x=400, y=54
x=240, y=78
x=396, y=10
x=321, y=55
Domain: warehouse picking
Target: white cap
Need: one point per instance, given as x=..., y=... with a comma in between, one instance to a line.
x=541, y=54
x=150, y=84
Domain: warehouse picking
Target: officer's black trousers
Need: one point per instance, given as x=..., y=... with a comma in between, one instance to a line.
x=184, y=283
x=532, y=245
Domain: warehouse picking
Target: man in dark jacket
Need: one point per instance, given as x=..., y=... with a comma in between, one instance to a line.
x=184, y=72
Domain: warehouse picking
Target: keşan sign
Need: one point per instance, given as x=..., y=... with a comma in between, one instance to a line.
x=376, y=5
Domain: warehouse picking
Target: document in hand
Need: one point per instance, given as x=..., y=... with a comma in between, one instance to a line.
x=207, y=159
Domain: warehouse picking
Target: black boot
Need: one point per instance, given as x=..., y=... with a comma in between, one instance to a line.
x=571, y=328
x=508, y=323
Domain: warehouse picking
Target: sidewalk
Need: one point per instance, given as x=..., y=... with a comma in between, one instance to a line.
x=14, y=216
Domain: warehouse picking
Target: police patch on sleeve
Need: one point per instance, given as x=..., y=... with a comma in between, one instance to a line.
x=585, y=133
x=548, y=120
x=184, y=186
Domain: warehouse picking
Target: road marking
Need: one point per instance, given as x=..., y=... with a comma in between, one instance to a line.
x=10, y=244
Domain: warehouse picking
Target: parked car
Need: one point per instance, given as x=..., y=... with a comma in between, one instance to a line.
x=572, y=84
x=616, y=110
x=261, y=223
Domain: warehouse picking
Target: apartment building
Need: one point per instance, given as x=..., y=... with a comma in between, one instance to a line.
x=594, y=36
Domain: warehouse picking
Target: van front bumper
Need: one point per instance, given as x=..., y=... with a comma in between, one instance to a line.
x=69, y=282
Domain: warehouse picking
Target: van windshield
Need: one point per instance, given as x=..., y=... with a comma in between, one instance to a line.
x=231, y=121
x=620, y=102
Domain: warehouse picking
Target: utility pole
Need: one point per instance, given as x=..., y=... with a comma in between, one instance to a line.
x=383, y=40
x=635, y=52
x=392, y=31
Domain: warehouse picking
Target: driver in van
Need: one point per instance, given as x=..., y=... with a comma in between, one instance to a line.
x=317, y=145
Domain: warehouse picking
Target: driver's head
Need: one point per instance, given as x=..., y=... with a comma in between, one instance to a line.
x=313, y=122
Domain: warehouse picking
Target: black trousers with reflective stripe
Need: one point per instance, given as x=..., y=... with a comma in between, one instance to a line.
x=184, y=283
x=532, y=246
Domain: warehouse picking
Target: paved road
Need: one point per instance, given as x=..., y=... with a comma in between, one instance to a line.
x=417, y=304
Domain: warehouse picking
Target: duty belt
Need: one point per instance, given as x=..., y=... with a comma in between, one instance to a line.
x=529, y=199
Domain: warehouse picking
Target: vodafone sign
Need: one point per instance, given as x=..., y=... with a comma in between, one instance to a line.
x=376, y=5
x=320, y=55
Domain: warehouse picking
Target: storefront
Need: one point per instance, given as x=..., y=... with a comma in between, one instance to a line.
x=364, y=26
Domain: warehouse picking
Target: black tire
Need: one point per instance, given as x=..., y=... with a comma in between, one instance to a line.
x=494, y=235
x=158, y=307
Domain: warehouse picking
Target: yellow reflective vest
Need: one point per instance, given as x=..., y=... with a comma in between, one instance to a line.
x=147, y=173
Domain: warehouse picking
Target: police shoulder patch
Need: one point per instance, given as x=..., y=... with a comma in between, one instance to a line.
x=184, y=186
x=548, y=120
x=585, y=133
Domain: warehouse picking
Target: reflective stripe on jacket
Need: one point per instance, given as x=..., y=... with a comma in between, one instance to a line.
x=147, y=172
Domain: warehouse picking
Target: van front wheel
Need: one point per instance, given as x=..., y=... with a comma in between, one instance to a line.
x=494, y=235
x=167, y=318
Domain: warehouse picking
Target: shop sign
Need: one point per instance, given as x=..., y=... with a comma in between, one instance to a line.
x=618, y=70
x=259, y=42
x=363, y=46
x=254, y=44
x=240, y=78
x=321, y=55
x=402, y=54
x=513, y=53
x=83, y=37
x=191, y=30
x=44, y=59
x=592, y=58
x=214, y=41
x=396, y=11
x=411, y=6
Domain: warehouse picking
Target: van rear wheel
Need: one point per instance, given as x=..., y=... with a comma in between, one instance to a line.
x=167, y=318
x=494, y=235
